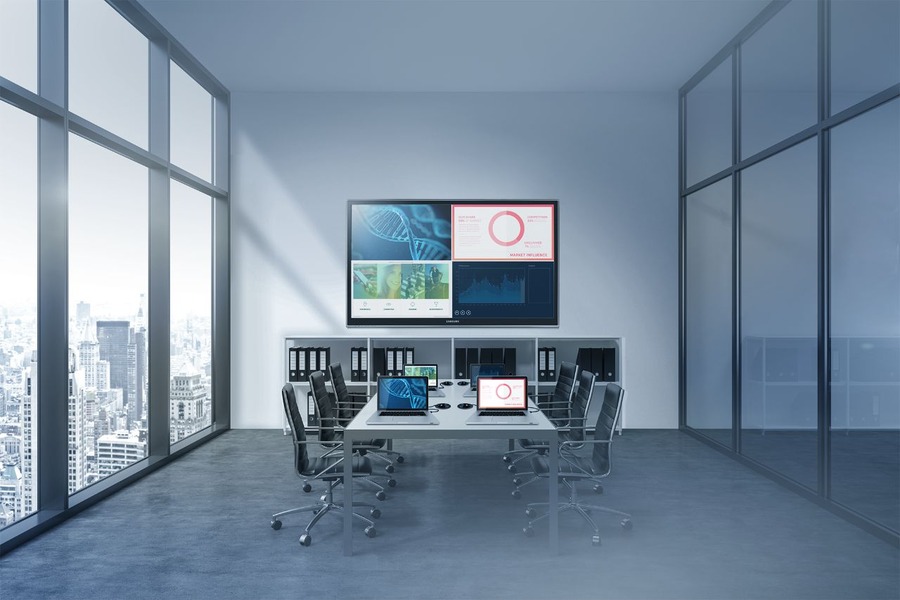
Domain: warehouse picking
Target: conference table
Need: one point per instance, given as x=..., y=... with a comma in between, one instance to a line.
x=451, y=425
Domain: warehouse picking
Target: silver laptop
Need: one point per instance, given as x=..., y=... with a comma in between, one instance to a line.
x=478, y=370
x=502, y=401
x=428, y=371
x=402, y=401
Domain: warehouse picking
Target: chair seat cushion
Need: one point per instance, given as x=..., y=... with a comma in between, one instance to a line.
x=570, y=466
x=335, y=468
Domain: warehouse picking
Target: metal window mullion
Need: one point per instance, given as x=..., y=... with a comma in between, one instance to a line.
x=736, y=355
x=158, y=305
x=51, y=412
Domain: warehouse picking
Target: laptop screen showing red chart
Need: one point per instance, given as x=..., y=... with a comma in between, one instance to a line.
x=502, y=393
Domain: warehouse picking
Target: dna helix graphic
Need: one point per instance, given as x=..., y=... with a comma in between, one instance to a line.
x=402, y=388
x=392, y=224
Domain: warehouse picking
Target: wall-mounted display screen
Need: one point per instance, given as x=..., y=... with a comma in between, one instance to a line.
x=453, y=262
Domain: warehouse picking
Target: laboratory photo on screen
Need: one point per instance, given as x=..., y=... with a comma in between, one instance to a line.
x=453, y=262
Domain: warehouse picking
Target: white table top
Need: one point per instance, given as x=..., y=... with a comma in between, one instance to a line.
x=451, y=423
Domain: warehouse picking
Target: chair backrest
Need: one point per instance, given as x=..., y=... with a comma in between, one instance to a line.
x=298, y=429
x=606, y=426
x=562, y=393
x=324, y=406
x=341, y=393
x=581, y=404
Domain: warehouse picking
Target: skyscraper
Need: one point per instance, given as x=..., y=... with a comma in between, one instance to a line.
x=113, y=337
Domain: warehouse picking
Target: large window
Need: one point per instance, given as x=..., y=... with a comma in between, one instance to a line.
x=190, y=399
x=18, y=314
x=107, y=298
x=816, y=266
x=108, y=60
x=106, y=276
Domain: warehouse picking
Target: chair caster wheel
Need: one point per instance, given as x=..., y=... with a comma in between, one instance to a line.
x=516, y=494
x=595, y=541
x=315, y=511
x=626, y=524
x=598, y=489
x=528, y=531
x=530, y=513
x=517, y=480
x=376, y=513
x=392, y=483
x=380, y=495
x=305, y=539
x=370, y=531
x=307, y=488
x=511, y=468
x=400, y=459
x=323, y=498
x=276, y=524
x=389, y=468
x=506, y=459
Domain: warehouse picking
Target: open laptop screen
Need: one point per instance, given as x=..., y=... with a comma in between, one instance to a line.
x=402, y=393
x=502, y=393
x=428, y=371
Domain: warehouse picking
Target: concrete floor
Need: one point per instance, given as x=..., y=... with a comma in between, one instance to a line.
x=704, y=527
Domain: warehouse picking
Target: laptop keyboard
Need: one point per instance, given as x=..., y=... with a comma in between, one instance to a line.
x=402, y=413
x=502, y=413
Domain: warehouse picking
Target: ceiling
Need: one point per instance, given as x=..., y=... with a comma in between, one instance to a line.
x=453, y=45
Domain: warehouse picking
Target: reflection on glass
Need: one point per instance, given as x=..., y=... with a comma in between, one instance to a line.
x=865, y=314
x=865, y=50
x=19, y=42
x=190, y=397
x=108, y=274
x=191, y=124
x=708, y=125
x=708, y=276
x=779, y=78
x=779, y=283
x=18, y=314
x=108, y=70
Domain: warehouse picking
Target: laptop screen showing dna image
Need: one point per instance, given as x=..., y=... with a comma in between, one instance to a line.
x=402, y=394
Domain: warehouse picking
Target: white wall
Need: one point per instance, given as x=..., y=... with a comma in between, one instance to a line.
x=610, y=159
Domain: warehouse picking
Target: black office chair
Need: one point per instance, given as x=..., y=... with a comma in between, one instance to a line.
x=572, y=430
x=556, y=405
x=574, y=468
x=348, y=405
x=332, y=432
x=326, y=468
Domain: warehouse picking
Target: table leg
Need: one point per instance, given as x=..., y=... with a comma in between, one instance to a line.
x=554, y=498
x=348, y=497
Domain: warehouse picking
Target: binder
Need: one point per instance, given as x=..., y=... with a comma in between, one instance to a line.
x=324, y=361
x=363, y=364
x=399, y=361
x=292, y=365
x=491, y=355
x=597, y=359
x=302, y=363
x=551, y=364
x=509, y=361
x=312, y=417
x=471, y=359
x=610, y=372
x=379, y=363
x=354, y=364
x=459, y=364
x=542, y=364
x=389, y=368
x=410, y=358
x=583, y=360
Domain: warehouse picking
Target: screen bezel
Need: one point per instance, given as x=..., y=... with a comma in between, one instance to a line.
x=552, y=321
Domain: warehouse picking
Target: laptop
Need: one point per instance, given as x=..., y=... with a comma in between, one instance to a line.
x=502, y=401
x=478, y=370
x=428, y=371
x=402, y=401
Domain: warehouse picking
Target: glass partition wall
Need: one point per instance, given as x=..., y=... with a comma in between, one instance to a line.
x=114, y=306
x=790, y=254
